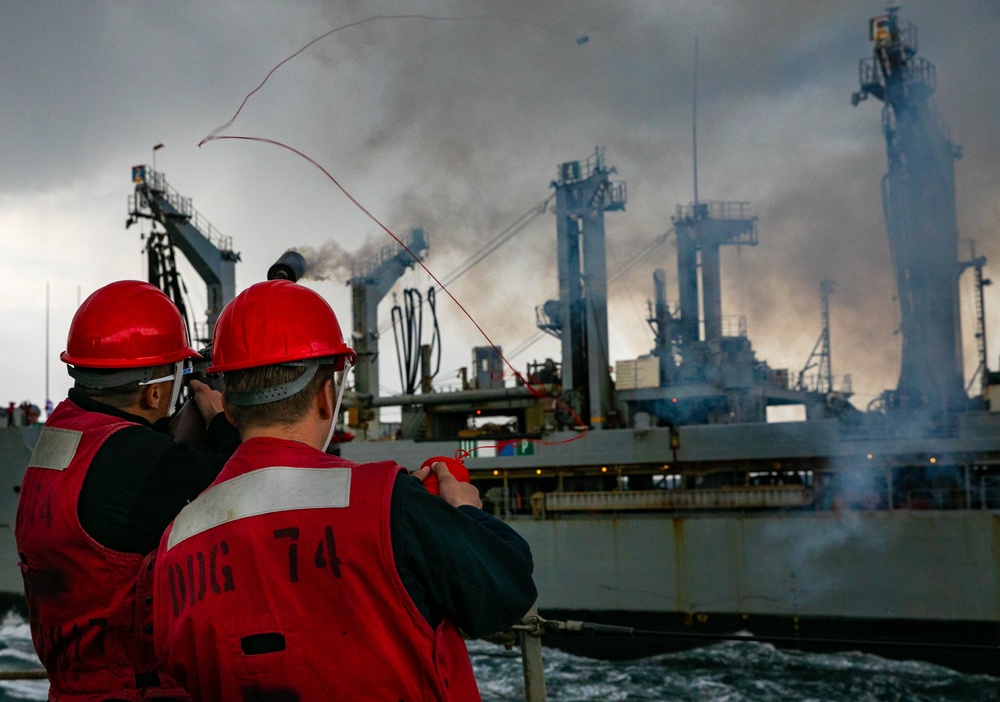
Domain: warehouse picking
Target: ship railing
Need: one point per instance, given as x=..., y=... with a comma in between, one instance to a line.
x=771, y=496
x=920, y=70
x=714, y=209
x=869, y=72
x=158, y=184
x=574, y=171
x=615, y=195
x=734, y=325
x=873, y=425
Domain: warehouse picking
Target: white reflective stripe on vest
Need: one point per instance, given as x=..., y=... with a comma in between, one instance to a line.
x=55, y=448
x=263, y=491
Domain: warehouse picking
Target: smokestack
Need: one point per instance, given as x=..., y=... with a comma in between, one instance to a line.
x=291, y=266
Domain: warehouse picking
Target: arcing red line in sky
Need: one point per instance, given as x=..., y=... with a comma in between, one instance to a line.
x=216, y=135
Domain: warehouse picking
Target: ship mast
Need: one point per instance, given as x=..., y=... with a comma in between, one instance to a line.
x=918, y=197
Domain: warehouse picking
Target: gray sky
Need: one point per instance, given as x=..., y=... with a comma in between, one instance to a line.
x=457, y=126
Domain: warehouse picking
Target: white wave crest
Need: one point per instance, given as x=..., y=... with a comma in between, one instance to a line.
x=26, y=689
x=14, y=628
x=19, y=655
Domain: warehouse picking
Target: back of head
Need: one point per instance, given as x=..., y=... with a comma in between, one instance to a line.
x=124, y=334
x=276, y=344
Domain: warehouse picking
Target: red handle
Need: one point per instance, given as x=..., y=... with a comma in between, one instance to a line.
x=455, y=467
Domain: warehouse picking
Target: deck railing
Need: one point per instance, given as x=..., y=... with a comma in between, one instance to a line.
x=770, y=496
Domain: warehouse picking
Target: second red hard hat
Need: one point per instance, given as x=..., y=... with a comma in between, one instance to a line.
x=275, y=322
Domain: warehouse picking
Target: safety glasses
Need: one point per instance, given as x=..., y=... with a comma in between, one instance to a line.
x=180, y=369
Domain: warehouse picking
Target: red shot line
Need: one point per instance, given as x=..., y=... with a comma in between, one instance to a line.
x=216, y=135
x=430, y=18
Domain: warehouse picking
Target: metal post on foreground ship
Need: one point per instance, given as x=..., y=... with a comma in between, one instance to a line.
x=529, y=633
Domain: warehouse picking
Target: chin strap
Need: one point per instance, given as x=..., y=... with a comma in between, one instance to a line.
x=336, y=408
x=175, y=391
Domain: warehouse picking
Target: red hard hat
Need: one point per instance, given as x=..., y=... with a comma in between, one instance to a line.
x=274, y=322
x=127, y=324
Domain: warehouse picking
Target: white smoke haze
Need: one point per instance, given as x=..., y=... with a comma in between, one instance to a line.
x=327, y=261
x=330, y=261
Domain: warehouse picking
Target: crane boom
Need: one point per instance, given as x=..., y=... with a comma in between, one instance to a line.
x=210, y=254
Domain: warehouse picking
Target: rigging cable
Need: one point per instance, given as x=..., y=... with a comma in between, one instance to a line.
x=642, y=256
x=629, y=266
x=407, y=331
x=407, y=325
x=528, y=343
x=396, y=317
x=436, y=338
x=542, y=626
x=414, y=310
x=518, y=226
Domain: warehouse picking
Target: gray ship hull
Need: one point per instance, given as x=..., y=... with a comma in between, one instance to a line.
x=875, y=565
x=922, y=582
x=901, y=580
x=16, y=444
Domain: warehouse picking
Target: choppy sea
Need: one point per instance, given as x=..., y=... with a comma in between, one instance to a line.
x=727, y=672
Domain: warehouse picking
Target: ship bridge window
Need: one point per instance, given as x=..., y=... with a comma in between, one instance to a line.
x=667, y=482
x=493, y=422
x=786, y=413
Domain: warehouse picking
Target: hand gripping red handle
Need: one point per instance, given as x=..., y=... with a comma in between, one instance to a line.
x=455, y=467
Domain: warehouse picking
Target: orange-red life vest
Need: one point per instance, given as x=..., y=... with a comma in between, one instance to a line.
x=89, y=607
x=279, y=582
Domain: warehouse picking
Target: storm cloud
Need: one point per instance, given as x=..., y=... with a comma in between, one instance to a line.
x=457, y=126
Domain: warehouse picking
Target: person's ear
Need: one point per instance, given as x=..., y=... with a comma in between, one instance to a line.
x=151, y=396
x=325, y=399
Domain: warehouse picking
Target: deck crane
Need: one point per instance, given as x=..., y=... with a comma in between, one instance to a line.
x=579, y=318
x=181, y=226
x=371, y=280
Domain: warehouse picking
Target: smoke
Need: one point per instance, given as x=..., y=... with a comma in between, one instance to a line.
x=331, y=261
x=462, y=124
x=328, y=261
x=486, y=143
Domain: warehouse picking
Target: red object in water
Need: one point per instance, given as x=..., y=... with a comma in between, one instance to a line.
x=455, y=467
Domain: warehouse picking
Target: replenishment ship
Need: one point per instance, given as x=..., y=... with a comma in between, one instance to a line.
x=659, y=496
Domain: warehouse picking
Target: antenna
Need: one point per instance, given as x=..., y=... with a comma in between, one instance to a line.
x=694, y=120
x=47, y=396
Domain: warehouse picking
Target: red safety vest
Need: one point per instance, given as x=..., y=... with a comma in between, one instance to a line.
x=278, y=582
x=90, y=607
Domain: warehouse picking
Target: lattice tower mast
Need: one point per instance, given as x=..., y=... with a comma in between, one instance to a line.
x=918, y=195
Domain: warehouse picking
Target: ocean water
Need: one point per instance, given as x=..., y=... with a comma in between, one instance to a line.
x=732, y=672
x=727, y=672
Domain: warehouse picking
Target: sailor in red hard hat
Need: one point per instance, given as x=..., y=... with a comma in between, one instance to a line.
x=299, y=575
x=101, y=486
